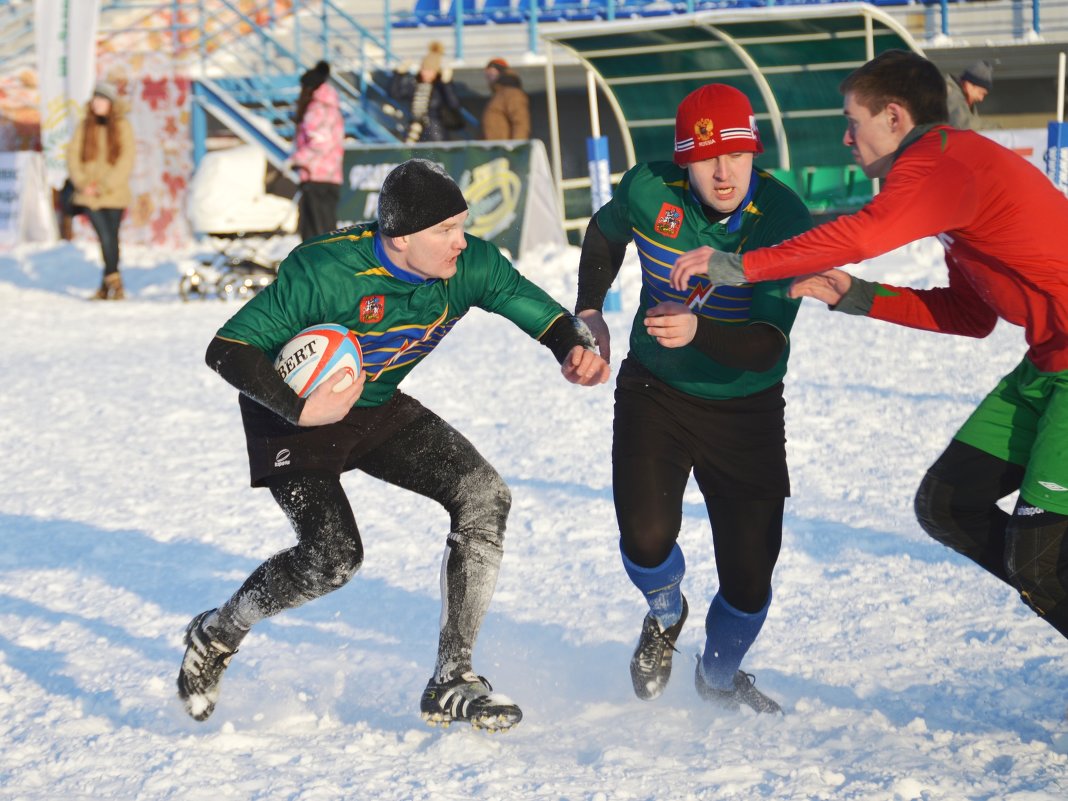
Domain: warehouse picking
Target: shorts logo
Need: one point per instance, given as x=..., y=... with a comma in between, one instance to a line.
x=1028, y=511
x=281, y=459
x=1053, y=487
x=703, y=129
x=668, y=221
x=372, y=308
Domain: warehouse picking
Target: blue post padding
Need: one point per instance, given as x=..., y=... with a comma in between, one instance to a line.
x=729, y=635
x=601, y=193
x=660, y=584
x=1057, y=134
x=600, y=174
x=1057, y=154
x=612, y=301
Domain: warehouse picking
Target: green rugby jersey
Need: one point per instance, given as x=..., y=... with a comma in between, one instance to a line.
x=399, y=318
x=653, y=206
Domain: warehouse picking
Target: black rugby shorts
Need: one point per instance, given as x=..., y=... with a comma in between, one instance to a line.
x=277, y=447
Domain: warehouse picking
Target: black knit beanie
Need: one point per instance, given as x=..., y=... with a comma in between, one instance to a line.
x=981, y=73
x=316, y=76
x=416, y=195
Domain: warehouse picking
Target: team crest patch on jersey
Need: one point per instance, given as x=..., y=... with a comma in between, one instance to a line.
x=703, y=129
x=372, y=308
x=669, y=220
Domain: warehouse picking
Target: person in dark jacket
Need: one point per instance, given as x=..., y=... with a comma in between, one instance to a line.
x=507, y=114
x=435, y=108
x=966, y=91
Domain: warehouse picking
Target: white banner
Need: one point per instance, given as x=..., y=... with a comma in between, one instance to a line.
x=9, y=200
x=66, y=67
x=26, y=213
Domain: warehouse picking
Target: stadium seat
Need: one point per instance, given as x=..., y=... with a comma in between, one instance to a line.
x=576, y=10
x=501, y=12
x=422, y=10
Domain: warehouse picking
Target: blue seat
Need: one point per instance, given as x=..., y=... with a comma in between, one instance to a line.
x=429, y=13
x=630, y=9
x=422, y=11
x=579, y=10
x=654, y=8
x=501, y=12
x=470, y=12
x=546, y=13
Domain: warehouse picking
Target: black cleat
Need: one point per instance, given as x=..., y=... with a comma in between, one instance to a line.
x=202, y=667
x=743, y=692
x=650, y=667
x=471, y=698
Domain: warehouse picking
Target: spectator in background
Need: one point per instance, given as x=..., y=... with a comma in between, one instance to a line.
x=966, y=91
x=320, y=141
x=99, y=160
x=435, y=108
x=507, y=114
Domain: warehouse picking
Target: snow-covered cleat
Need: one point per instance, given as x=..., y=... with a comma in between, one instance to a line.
x=650, y=667
x=202, y=667
x=744, y=691
x=471, y=698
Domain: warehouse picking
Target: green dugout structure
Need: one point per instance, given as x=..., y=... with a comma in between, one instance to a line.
x=789, y=61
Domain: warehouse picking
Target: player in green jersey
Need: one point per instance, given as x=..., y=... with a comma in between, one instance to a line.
x=401, y=285
x=701, y=388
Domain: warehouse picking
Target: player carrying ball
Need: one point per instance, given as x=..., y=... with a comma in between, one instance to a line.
x=401, y=284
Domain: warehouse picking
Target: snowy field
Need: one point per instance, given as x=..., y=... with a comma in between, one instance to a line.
x=905, y=671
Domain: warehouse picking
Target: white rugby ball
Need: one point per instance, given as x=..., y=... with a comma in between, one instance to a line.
x=316, y=354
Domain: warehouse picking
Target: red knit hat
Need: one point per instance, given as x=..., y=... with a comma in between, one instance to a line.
x=714, y=120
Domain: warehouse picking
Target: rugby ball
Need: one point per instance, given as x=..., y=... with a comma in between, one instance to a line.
x=317, y=353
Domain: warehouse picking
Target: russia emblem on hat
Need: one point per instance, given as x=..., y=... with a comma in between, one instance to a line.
x=712, y=121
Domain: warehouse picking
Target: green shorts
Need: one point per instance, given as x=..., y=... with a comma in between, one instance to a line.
x=1024, y=420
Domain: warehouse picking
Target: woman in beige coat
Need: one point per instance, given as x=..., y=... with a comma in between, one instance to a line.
x=99, y=160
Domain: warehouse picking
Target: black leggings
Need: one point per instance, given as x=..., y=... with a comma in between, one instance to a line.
x=735, y=449
x=106, y=224
x=429, y=457
x=317, y=208
x=746, y=536
x=956, y=504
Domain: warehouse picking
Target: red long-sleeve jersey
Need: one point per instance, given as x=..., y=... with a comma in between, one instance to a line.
x=1002, y=222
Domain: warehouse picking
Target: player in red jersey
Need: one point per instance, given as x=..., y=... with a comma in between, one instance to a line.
x=1001, y=222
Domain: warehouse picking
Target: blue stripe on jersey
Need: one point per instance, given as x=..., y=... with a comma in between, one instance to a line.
x=725, y=304
x=401, y=346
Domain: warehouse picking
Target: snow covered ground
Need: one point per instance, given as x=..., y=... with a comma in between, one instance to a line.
x=906, y=672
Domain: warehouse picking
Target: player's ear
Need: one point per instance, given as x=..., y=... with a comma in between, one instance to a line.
x=898, y=116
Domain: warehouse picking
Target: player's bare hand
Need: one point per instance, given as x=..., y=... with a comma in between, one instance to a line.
x=599, y=328
x=672, y=324
x=325, y=406
x=689, y=264
x=830, y=286
x=585, y=368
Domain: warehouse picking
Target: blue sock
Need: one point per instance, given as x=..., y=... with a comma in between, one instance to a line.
x=730, y=633
x=660, y=585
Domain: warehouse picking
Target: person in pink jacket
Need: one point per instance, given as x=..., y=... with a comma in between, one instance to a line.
x=319, y=148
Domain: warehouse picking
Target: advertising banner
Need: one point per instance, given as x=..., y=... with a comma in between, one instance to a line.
x=26, y=213
x=9, y=200
x=506, y=184
x=65, y=32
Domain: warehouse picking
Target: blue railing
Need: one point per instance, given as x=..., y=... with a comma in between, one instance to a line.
x=996, y=19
